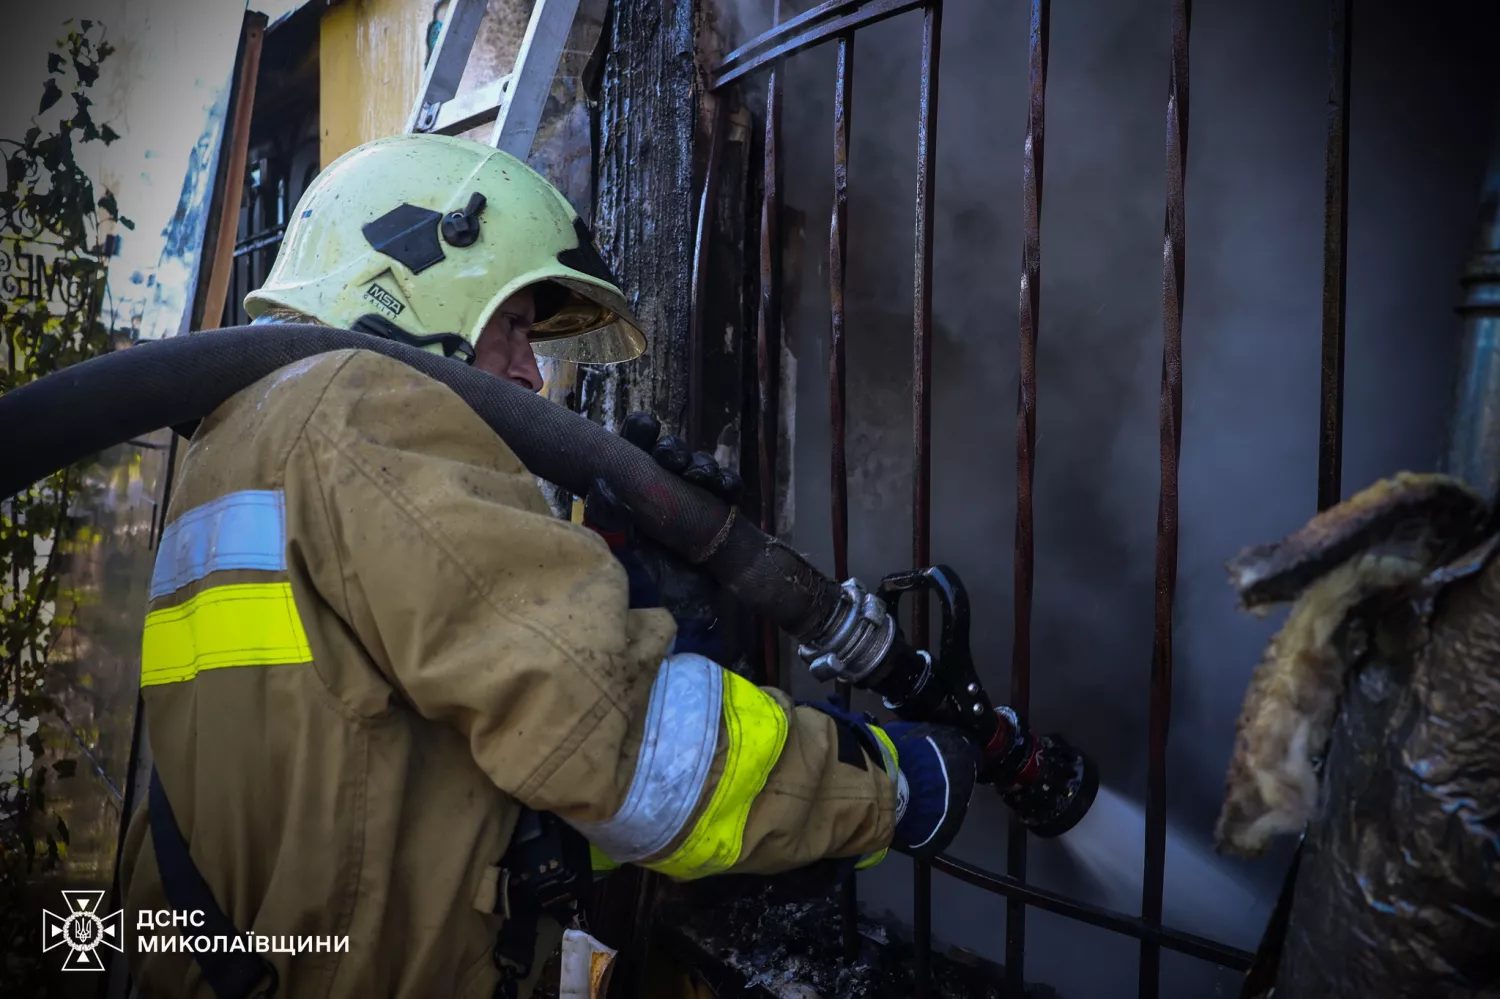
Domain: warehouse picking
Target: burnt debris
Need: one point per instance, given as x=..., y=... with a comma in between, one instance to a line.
x=781, y=942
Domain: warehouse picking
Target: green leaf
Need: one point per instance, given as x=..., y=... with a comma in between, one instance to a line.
x=50, y=95
x=54, y=62
x=65, y=768
x=108, y=134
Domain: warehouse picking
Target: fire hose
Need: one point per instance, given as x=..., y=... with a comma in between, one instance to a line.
x=845, y=633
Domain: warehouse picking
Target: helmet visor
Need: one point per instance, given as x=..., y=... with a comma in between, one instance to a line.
x=588, y=326
x=619, y=341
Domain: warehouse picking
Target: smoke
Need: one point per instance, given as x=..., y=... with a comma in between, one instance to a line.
x=1251, y=378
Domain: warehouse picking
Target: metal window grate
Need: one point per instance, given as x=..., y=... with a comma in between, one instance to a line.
x=837, y=21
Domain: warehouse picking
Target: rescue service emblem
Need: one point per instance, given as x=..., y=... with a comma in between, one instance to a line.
x=83, y=930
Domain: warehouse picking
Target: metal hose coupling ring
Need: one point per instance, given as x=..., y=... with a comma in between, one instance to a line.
x=854, y=640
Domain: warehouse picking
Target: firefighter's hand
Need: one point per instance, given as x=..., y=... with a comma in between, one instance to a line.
x=672, y=453
x=657, y=576
x=934, y=769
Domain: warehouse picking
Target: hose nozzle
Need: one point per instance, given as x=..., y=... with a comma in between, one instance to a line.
x=1048, y=783
x=1045, y=780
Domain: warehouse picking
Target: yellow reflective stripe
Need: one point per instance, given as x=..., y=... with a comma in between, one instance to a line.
x=757, y=728
x=892, y=760
x=247, y=624
x=599, y=862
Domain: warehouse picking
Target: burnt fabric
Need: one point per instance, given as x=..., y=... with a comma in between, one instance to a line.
x=369, y=642
x=1398, y=892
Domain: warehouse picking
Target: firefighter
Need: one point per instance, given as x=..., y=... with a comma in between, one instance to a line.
x=381, y=679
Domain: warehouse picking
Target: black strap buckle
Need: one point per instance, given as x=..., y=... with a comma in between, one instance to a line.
x=545, y=872
x=377, y=325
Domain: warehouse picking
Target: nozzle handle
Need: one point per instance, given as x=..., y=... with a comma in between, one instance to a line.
x=949, y=691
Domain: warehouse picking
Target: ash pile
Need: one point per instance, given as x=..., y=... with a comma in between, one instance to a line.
x=779, y=942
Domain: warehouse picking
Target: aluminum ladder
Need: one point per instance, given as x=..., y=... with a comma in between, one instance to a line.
x=514, y=102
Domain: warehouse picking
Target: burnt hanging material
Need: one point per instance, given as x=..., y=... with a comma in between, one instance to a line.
x=1380, y=541
x=1398, y=890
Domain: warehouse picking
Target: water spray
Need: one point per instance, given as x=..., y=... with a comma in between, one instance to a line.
x=1047, y=782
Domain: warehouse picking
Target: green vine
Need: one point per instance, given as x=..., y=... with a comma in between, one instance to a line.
x=54, y=244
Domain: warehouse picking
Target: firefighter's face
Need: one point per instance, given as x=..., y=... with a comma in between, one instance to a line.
x=504, y=348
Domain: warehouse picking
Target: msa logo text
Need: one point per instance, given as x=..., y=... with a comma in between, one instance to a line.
x=384, y=299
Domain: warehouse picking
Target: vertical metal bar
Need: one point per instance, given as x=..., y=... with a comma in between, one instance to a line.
x=711, y=174
x=1262, y=974
x=921, y=513
x=838, y=242
x=1173, y=259
x=1030, y=315
x=922, y=927
x=1335, y=250
x=768, y=349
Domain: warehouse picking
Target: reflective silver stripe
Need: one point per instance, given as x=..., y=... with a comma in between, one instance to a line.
x=241, y=530
x=682, y=732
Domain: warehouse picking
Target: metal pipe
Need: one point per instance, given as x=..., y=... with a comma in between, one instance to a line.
x=921, y=526
x=1030, y=317
x=1173, y=259
x=819, y=31
x=783, y=29
x=1474, y=439
x=1184, y=943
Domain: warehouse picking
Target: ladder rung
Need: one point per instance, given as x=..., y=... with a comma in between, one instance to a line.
x=471, y=109
x=445, y=68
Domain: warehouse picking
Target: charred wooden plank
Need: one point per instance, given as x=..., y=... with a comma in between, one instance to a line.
x=1426, y=517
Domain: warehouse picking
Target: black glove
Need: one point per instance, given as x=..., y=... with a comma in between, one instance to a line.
x=672, y=453
x=659, y=578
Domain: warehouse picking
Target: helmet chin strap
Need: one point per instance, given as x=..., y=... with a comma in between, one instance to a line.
x=378, y=325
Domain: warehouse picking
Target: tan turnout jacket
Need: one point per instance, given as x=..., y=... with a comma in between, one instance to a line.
x=368, y=640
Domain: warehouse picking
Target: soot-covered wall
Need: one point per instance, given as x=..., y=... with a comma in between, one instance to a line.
x=1420, y=122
